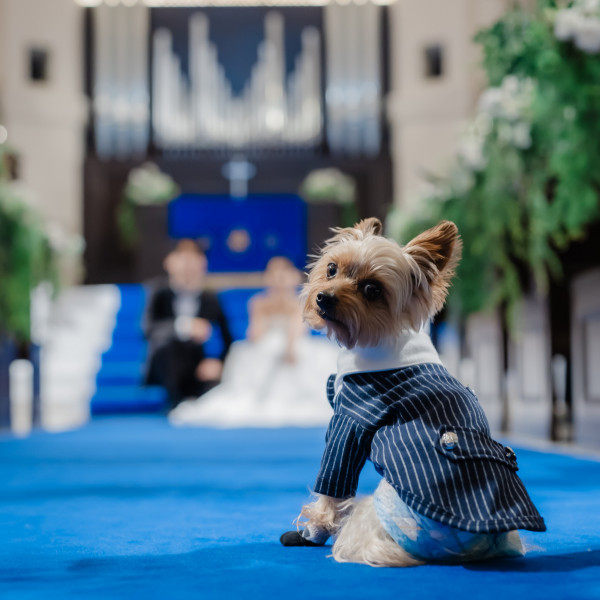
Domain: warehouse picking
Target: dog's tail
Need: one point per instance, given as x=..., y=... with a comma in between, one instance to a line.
x=362, y=539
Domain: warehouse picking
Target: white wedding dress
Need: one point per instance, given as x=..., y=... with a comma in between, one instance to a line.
x=260, y=389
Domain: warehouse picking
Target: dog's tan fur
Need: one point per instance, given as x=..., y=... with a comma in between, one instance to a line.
x=326, y=513
x=414, y=280
x=363, y=539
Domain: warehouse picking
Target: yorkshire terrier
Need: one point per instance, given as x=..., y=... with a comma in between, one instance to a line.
x=449, y=493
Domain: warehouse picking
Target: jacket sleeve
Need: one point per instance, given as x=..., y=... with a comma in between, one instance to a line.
x=211, y=309
x=158, y=321
x=346, y=449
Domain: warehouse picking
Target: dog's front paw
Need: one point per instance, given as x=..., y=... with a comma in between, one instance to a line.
x=296, y=538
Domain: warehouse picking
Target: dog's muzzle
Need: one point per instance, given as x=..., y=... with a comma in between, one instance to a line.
x=327, y=301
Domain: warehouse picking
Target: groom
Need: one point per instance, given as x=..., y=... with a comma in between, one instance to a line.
x=178, y=322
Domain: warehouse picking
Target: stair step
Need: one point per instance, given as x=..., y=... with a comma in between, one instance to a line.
x=120, y=373
x=113, y=399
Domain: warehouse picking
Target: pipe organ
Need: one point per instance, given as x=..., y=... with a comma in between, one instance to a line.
x=201, y=112
x=121, y=101
x=146, y=88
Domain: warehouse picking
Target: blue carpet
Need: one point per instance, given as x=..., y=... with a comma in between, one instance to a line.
x=128, y=507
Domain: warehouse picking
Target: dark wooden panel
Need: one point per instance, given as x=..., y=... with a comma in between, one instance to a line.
x=108, y=260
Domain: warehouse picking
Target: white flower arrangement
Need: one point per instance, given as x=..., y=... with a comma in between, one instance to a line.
x=580, y=23
x=507, y=107
x=62, y=242
x=471, y=149
x=511, y=101
x=505, y=110
x=328, y=185
x=146, y=186
x=149, y=185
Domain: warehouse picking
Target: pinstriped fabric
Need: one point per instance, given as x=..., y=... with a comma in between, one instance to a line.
x=396, y=419
x=331, y=389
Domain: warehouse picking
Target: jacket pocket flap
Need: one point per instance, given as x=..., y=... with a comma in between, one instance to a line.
x=464, y=444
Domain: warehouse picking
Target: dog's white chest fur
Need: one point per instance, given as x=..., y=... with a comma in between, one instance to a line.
x=411, y=348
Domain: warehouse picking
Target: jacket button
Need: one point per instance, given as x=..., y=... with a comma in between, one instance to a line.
x=510, y=453
x=449, y=440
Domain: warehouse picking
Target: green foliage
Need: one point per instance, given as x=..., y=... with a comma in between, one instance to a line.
x=535, y=187
x=26, y=258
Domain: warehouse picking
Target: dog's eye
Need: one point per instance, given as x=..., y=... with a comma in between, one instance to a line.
x=371, y=291
x=332, y=270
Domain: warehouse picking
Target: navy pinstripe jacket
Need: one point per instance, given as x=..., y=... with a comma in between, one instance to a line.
x=396, y=418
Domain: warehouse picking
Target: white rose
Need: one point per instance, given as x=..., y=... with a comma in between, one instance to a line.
x=490, y=102
x=590, y=7
x=483, y=124
x=521, y=135
x=566, y=24
x=470, y=149
x=505, y=134
x=57, y=238
x=587, y=36
x=510, y=107
x=510, y=84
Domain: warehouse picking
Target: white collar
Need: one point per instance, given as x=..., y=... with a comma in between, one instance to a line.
x=410, y=348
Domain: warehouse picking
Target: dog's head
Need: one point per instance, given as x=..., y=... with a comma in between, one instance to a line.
x=365, y=288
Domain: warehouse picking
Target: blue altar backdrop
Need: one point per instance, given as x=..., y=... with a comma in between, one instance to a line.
x=242, y=235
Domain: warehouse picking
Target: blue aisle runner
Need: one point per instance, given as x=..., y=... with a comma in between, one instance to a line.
x=131, y=508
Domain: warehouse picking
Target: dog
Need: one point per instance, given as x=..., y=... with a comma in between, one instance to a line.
x=449, y=492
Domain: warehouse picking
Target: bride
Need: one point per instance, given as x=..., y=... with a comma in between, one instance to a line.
x=275, y=378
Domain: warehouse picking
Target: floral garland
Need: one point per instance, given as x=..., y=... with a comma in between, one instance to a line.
x=27, y=257
x=526, y=179
x=581, y=24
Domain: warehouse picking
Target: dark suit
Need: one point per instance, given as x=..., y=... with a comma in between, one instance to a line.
x=172, y=361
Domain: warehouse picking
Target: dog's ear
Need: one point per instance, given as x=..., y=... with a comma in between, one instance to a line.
x=370, y=226
x=438, y=247
x=360, y=231
x=435, y=253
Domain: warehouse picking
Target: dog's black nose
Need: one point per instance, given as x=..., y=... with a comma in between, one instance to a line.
x=326, y=300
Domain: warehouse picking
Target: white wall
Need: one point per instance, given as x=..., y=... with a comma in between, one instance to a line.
x=585, y=339
x=428, y=114
x=45, y=120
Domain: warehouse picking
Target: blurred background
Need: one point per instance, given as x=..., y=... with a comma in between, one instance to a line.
x=253, y=127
